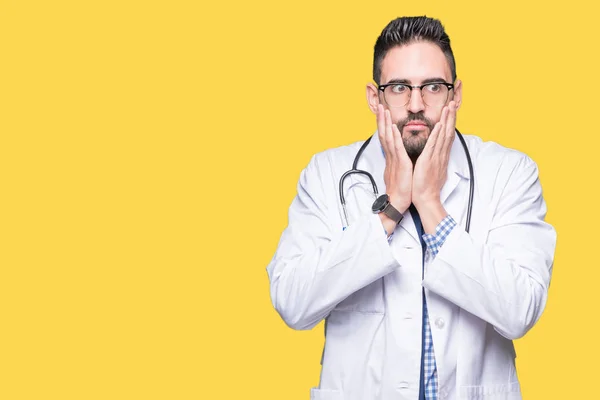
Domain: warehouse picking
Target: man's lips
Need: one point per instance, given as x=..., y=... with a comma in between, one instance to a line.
x=416, y=125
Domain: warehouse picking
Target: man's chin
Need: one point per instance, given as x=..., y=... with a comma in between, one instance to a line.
x=415, y=136
x=414, y=145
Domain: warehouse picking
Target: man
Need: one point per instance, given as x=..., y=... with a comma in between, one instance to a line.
x=419, y=303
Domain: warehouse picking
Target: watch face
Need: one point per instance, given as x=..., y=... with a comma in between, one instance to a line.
x=380, y=203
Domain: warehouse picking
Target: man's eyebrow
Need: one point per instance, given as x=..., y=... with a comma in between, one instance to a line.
x=434, y=80
x=408, y=82
x=399, y=81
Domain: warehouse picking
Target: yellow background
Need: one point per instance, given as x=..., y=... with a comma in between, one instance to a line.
x=149, y=151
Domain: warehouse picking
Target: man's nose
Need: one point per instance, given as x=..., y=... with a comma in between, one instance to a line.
x=415, y=103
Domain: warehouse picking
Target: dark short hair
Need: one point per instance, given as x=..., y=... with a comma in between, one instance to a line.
x=408, y=30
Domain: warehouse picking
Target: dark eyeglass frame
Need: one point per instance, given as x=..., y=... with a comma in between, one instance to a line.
x=450, y=87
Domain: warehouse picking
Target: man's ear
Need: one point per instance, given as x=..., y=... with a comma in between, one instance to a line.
x=458, y=93
x=372, y=97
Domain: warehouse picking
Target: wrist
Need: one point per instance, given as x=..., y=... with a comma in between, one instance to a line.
x=431, y=214
x=389, y=214
x=388, y=224
x=399, y=203
x=427, y=202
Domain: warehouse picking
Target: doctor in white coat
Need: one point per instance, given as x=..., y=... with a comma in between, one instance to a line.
x=415, y=306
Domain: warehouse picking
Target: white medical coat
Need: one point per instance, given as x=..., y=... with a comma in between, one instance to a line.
x=483, y=289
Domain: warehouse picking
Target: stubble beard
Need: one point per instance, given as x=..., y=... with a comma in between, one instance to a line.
x=414, y=143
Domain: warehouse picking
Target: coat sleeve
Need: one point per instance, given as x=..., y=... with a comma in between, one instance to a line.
x=317, y=264
x=504, y=281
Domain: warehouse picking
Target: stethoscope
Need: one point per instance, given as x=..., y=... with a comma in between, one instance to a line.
x=354, y=170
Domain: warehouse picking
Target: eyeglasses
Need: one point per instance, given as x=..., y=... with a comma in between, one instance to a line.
x=434, y=94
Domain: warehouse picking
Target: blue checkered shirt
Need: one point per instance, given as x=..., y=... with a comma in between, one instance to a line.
x=434, y=244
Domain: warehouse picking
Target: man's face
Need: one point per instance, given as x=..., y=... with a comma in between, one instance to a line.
x=415, y=64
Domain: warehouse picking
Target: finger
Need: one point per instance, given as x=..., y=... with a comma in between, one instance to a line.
x=430, y=144
x=442, y=135
x=389, y=134
x=380, y=125
x=381, y=130
x=450, y=129
x=451, y=122
x=381, y=121
x=398, y=143
x=438, y=149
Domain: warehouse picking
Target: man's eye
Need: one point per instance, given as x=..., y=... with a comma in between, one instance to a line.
x=399, y=88
x=433, y=88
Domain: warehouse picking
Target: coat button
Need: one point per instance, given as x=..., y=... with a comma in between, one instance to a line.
x=439, y=322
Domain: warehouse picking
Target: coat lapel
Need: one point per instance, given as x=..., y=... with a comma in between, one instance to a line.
x=457, y=181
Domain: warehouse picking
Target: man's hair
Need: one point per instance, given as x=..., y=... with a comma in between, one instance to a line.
x=408, y=30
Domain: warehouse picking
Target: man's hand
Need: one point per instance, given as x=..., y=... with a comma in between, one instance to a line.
x=398, y=166
x=431, y=170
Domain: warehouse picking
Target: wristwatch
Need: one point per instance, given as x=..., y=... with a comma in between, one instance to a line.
x=382, y=205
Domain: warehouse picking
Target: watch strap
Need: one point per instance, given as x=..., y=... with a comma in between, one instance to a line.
x=394, y=214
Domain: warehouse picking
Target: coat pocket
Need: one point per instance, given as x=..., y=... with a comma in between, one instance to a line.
x=369, y=299
x=325, y=394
